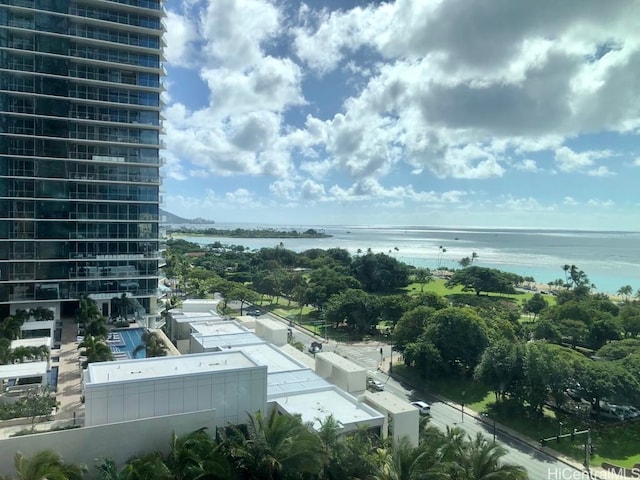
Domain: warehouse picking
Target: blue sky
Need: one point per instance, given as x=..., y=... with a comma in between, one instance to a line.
x=498, y=113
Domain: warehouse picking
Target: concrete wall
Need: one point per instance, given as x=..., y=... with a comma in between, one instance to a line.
x=118, y=441
x=271, y=331
x=405, y=425
x=341, y=372
x=247, y=321
x=195, y=346
x=405, y=418
x=323, y=366
x=231, y=392
x=199, y=305
x=183, y=346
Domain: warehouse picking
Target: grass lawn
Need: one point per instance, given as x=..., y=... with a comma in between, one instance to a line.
x=438, y=286
x=618, y=444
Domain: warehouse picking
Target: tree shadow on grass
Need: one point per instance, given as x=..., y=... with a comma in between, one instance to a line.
x=459, y=389
x=618, y=443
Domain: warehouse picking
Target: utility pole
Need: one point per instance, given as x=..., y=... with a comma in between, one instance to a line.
x=587, y=452
x=588, y=446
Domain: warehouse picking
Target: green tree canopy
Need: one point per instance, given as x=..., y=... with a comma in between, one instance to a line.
x=481, y=279
x=410, y=327
x=460, y=335
x=357, y=308
x=379, y=272
x=535, y=305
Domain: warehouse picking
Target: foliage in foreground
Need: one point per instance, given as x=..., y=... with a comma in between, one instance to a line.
x=281, y=447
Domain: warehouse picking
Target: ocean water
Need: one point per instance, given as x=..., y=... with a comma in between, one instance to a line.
x=610, y=259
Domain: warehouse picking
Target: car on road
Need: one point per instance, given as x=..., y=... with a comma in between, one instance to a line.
x=376, y=385
x=423, y=407
x=315, y=347
x=254, y=312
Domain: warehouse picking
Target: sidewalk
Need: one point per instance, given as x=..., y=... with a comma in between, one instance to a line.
x=596, y=472
x=69, y=374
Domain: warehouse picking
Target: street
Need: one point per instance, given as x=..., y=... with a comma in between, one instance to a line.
x=538, y=464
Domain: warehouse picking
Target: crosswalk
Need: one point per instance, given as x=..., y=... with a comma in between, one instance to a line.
x=365, y=355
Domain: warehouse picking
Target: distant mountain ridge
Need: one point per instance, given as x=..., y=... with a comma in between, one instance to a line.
x=170, y=218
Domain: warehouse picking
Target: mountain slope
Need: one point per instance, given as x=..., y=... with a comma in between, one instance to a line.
x=170, y=218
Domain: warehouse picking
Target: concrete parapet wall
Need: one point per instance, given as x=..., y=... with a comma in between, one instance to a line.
x=118, y=441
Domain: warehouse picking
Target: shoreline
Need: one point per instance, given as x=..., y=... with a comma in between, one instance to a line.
x=601, y=263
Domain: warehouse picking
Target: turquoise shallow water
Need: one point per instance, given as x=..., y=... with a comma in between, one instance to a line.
x=610, y=259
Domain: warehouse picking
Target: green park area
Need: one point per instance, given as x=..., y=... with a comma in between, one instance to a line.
x=513, y=351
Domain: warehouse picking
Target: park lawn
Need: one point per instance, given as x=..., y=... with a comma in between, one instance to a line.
x=616, y=444
x=435, y=286
x=438, y=285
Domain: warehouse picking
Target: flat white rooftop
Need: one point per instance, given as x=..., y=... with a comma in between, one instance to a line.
x=200, y=301
x=271, y=324
x=301, y=357
x=23, y=370
x=274, y=358
x=315, y=406
x=211, y=342
x=293, y=382
x=224, y=327
x=32, y=342
x=159, y=367
x=340, y=362
x=389, y=402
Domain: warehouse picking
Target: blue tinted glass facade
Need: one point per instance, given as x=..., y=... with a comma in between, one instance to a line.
x=80, y=125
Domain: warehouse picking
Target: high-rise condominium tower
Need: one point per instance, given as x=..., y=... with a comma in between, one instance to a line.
x=79, y=152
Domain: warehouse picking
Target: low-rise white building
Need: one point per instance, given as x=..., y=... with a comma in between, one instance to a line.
x=229, y=382
x=292, y=386
x=271, y=331
x=401, y=420
x=342, y=372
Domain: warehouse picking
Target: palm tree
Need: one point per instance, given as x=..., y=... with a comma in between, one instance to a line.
x=196, y=455
x=95, y=350
x=465, y=262
x=152, y=345
x=22, y=354
x=145, y=467
x=96, y=327
x=41, y=314
x=5, y=351
x=46, y=465
x=124, y=303
x=354, y=457
x=329, y=434
x=11, y=326
x=275, y=446
x=441, y=252
x=474, y=257
x=481, y=459
x=566, y=268
x=87, y=310
x=625, y=292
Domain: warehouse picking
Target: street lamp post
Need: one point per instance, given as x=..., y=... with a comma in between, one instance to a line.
x=462, y=405
x=560, y=424
x=494, y=429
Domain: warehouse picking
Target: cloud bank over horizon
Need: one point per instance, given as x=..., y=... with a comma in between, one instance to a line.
x=414, y=112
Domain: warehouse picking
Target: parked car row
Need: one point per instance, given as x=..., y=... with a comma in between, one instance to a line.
x=605, y=410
